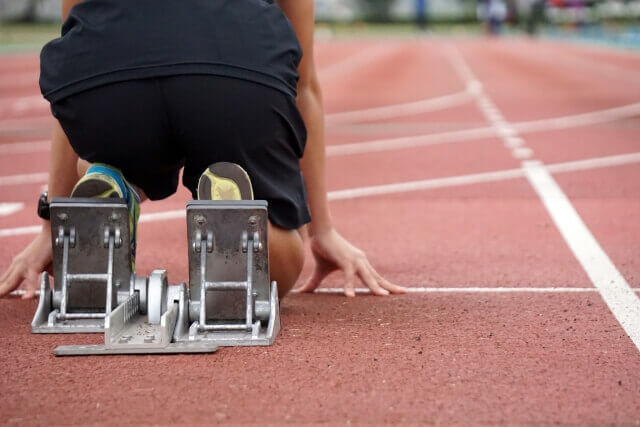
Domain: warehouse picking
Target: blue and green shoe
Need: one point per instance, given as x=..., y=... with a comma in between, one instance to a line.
x=104, y=181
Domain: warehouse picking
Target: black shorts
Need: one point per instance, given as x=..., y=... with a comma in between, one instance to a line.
x=151, y=128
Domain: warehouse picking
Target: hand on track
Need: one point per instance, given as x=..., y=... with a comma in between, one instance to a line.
x=27, y=266
x=333, y=252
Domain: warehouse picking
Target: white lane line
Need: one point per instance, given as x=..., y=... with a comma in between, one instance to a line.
x=403, y=187
x=20, y=231
x=615, y=291
x=26, y=178
x=391, y=144
x=355, y=60
x=22, y=104
x=438, y=290
x=9, y=208
x=399, y=110
x=578, y=120
x=594, y=163
x=452, y=290
x=533, y=126
x=25, y=123
x=449, y=181
x=344, y=65
x=25, y=147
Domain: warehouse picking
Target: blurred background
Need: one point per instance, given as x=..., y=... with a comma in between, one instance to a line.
x=31, y=22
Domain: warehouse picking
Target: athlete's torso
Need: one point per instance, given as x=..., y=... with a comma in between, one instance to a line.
x=105, y=41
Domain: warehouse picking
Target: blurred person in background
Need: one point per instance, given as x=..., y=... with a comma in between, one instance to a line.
x=535, y=15
x=493, y=13
x=152, y=86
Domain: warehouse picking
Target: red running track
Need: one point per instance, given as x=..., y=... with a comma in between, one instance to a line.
x=504, y=324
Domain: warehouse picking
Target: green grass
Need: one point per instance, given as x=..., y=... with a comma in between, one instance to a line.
x=396, y=29
x=26, y=37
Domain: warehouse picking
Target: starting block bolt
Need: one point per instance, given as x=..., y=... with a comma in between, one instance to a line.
x=200, y=219
x=125, y=339
x=115, y=217
x=253, y=220
x=63, y=216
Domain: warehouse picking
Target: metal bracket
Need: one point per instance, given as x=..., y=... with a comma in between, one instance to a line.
x=85, y=289
x=232, y=297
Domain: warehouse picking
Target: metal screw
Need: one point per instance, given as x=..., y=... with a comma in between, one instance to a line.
x=63, y=216
x=200, y=219
x=115, y=216
x=253, y=220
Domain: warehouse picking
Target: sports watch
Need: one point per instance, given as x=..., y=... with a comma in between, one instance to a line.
x=43, y=206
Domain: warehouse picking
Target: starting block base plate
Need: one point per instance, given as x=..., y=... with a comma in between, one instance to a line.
x=102, y=350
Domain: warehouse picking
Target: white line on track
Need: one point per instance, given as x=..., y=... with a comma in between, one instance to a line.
x=615, y=291
x=361, y=58
x=21, y=104
x=25, y=123
x=9, y=208
x=403, y=187
x=390, y=144
x=26, y=178
x=345, y=65
x=533, y=126
x=25, y=147
x=399, y=110
x=443, y=290
x=496, y=290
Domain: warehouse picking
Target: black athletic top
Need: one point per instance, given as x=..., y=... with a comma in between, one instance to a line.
x=106, y=41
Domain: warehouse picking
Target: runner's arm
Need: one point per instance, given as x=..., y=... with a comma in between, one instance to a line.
x=36, y=257
x=300, y=13
x=331, y=251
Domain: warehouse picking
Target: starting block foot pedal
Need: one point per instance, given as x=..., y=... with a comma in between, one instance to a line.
x=232, y=301
x=92, y=265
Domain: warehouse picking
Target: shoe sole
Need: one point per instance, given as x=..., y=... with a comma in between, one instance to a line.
x=96, y=188
x=225, y=171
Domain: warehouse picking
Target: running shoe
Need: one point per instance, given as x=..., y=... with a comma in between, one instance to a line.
x=225, y=181
x=103, y=182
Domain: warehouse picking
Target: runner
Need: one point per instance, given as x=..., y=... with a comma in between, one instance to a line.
x=152, y=86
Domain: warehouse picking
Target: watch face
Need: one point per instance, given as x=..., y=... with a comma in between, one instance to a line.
x=43, y=206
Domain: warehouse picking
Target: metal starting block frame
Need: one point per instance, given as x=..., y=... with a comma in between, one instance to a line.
x=230, y=300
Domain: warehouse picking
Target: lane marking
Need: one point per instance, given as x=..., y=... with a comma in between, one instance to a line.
x=403, y=187
x=355, y=60
x=20, y=231
x=575, y=165
x=399, y=110
x=9, y=208
x=526, y=127
x=390, y=144
x=25, y=147
x=437, y=290
x=21, y=104
x=616, y=292
x=26, y=178
x=359, y=59
x=25, y=123
x=496, y=290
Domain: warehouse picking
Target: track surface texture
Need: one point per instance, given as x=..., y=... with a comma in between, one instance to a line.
x=498, y=179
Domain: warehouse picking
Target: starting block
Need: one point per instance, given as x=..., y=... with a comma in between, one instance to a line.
x=230, y=300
